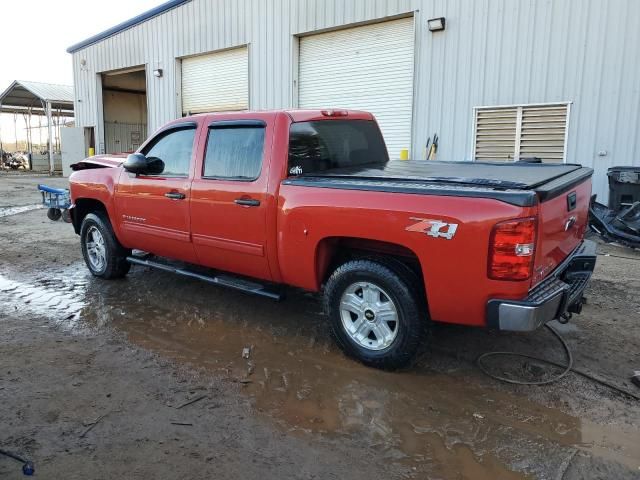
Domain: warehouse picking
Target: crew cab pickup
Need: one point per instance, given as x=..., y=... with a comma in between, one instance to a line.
x=309, y=198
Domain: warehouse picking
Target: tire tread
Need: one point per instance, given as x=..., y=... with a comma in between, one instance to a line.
x=117, y=264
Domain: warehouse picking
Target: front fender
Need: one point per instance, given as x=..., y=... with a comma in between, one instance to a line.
x=96, y=185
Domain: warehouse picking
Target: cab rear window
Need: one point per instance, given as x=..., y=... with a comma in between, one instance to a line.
x=325, y=146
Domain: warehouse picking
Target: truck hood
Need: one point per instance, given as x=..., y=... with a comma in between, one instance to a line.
x=100, y=161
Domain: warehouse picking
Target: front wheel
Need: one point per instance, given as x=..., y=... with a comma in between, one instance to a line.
x=376, y=313
x=102, y=252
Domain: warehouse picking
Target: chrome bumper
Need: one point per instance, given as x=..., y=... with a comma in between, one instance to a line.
x=556, y=295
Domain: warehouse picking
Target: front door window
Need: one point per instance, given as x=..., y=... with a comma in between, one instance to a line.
x=173, y=149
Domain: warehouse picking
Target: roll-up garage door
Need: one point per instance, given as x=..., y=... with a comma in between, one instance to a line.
x=216, y=82
x=365, y=68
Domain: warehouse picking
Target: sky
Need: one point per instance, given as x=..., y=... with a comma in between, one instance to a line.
x=35, y=34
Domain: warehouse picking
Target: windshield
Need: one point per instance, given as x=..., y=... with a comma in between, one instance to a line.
x=318, y=147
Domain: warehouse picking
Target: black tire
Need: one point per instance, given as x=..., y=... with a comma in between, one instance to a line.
x=115, y=263
x=54, y=214
x=66, y=216
x=401, y=289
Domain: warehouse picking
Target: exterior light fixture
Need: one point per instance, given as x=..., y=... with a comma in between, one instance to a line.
x=436, y=24
x=157, y=72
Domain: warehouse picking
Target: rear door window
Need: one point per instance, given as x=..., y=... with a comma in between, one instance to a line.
x=322, y=146
x=234, y=153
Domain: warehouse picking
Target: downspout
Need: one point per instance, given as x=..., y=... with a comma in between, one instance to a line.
x=50, y=133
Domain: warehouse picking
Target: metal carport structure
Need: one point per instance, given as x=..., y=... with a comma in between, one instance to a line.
x=36, y=98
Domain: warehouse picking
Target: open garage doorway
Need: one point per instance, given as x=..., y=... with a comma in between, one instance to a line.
x=124, y=101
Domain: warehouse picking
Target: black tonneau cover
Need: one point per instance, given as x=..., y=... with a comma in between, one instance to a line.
x=517, y=175
x=519, y=183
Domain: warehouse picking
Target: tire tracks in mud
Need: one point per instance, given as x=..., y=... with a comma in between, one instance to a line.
x=59, y=301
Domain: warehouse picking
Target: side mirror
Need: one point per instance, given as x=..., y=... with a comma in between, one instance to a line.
x=135, y=163
x=139, y=164
x=155, y=166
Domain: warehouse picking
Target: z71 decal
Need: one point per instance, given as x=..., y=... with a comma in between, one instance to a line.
x=433, y=228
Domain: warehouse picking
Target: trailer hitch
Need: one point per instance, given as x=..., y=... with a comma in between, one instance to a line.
x=565, y=317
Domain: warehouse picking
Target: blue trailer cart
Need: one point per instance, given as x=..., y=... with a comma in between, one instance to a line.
x=57, y=201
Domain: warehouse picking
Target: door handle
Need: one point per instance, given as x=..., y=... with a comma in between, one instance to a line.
x=247, y=202
x=175, y=195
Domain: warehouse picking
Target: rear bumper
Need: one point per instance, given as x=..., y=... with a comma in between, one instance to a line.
x=556, y=295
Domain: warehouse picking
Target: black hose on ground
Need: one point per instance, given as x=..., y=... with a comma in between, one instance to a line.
x=567, y=368
x=27, y=465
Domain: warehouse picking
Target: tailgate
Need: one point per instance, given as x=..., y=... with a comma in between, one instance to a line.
x=563, y=219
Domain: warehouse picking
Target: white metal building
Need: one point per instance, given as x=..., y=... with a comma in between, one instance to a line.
x=556, y=79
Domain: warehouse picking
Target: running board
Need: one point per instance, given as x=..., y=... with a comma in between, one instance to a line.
x=228, y=281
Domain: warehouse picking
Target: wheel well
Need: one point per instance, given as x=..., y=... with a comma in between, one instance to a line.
x=84, y=206
x=334, y=251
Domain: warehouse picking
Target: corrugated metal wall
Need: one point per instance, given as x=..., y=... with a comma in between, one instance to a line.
x=493, y=52
x=123, y=137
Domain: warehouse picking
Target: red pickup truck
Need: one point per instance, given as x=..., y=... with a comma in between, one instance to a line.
x=310, y=199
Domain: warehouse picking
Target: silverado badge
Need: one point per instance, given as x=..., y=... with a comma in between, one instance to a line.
x=433, y=228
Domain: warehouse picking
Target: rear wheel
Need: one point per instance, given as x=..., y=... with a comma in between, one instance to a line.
x=102, y=252
x=376, y=313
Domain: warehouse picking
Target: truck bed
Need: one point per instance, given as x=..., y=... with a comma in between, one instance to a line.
x=517, y=183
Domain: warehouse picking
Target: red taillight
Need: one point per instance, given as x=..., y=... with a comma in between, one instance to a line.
x=334, y=113
x=511, y=249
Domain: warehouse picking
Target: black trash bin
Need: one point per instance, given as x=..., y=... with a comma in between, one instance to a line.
x=624, y=187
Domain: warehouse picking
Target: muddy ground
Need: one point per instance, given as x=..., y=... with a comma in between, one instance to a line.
x=95, y=378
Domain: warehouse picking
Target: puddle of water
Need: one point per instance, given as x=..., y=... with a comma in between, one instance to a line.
x=437, y=424
x=63, y=303
x=7, y=211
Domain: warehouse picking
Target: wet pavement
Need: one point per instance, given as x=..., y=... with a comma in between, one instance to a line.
x=7, y=211
x=441, y=423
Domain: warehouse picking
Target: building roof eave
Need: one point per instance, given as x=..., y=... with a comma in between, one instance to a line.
x=143, y=17
x=26, y=94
